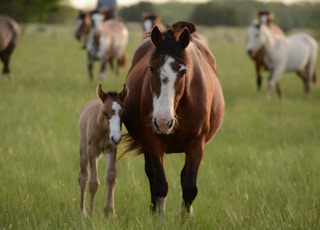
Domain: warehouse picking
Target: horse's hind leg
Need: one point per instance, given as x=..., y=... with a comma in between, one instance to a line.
x=304, y=78
x=5, y=58
x=111, y=174
x=83, y=175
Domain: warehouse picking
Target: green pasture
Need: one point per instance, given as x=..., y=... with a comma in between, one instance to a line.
x=261, y=171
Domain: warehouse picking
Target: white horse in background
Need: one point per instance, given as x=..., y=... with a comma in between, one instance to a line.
x=284, y=54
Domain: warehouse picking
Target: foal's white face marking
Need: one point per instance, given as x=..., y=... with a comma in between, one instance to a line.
x=114, y=123
x=163, y=106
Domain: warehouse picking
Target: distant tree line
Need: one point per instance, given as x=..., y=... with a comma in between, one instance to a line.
x=214, y=13
x=229, y=13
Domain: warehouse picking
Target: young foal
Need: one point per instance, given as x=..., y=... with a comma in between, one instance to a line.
x=100, y=131
x=9, y=35
x=284, y=54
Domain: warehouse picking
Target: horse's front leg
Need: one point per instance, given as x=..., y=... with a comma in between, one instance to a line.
x=274, y=79
x=103, y=69
x=189, y=174
x=111, y=174
x=93, y=153
x=90, y=66
x=157, y=180
x=259, y=76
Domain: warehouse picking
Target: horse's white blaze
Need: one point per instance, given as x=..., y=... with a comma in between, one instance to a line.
x=78, y=24
x=114, y=123
x=147, y=25
x=163, y=106
x=97, y=20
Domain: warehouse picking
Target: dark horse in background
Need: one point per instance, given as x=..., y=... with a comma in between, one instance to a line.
x=9, y=35
x=175, y=105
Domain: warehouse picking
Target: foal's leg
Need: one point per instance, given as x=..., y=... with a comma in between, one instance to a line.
x=158, y=182
x=111, y=174
x=93, y=153
x=83, y=175
x=189, y=174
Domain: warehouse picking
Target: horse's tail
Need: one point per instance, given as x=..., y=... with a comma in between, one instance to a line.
x=132, y=145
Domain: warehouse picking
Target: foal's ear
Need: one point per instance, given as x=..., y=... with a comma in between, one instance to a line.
x=156, y=36
x=124, y=93
x=184, y=38
x=100, y=93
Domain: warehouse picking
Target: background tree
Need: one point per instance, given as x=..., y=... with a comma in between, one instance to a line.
x=29, y=10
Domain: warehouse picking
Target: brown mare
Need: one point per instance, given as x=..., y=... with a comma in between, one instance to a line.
x=9, y=35
x=148, y=21
x=175, y=105
x=258, y=58
x=100, y=131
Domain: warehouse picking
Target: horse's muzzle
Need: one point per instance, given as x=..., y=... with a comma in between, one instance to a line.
x=163, y=126
x=249, y=52
x=78, y=36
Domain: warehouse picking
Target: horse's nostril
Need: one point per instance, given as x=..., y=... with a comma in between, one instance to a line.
x=170, y=124
x=155, y=124
x=249, y=52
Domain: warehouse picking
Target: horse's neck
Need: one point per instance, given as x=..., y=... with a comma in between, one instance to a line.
x=272, y=41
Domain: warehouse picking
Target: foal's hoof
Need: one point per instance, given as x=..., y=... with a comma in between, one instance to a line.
x=109, y=212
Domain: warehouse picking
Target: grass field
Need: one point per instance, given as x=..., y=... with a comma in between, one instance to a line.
x=260, y=172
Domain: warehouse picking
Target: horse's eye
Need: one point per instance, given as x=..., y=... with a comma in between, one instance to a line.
x=106, y=114
x=151, y=69
x=182, y=72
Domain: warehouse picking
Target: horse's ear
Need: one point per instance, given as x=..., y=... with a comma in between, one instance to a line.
x=184, y=38
x=156, y=36
x=124, y=93
x=100, y=93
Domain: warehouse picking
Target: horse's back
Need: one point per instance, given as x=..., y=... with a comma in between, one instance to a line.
x=208, y=77
x=88, y=118
x=302, y=49
x=117, y=34
x=9, y=32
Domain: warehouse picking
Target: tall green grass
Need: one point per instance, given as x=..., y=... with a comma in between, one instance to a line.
x=260, y=172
